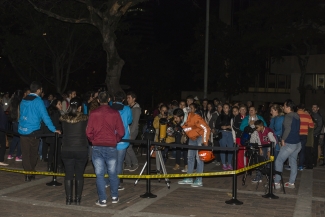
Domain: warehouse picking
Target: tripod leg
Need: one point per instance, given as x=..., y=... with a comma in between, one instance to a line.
x=245, y=176
x=143, y=168
x=163, y=168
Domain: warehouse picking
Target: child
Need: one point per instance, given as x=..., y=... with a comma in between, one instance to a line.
x=266, y=137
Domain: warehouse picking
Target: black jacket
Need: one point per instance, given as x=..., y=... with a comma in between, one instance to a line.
x=236, y=125
x=74, y=132
x=223, y=120
x=55, y=118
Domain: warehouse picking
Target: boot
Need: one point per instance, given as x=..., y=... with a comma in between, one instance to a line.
x=49, y=167
x=79, y=184
x=176, y=167
x=68, y=184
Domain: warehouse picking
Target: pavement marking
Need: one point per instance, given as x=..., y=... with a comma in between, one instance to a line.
x=303, y=206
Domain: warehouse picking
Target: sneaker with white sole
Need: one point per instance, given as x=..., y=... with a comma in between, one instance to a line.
x=256, y=180
x=121, y=188
x=197, y=183
x=3, y=164
x=10, y=157
x=115, y=200
x=289, y=185
x=186, y=181
x=277, y=185
x=102, y=203
x=133, y=168
x=18, y=159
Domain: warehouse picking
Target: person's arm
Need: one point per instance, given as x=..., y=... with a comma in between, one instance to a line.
x=130, y=117
x=206, y=130
x=319, y=125
x=271, y=137
x=287, y=127
x=244, y=123
x=136, y=116
x=218, y=123
x=232, y=129
x=310, y=122
x=45, y=116
x=156, y=122
x=119, y=128
x=90, y=128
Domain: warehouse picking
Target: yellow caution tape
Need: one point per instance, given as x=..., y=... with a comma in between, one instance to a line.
x=158, y=176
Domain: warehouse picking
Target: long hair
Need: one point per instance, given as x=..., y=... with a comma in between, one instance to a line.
x=52, y=108
x=15, y=101
x=277, y=108
x=75, y=103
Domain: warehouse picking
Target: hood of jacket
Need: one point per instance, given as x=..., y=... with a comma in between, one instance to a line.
x=74, y=119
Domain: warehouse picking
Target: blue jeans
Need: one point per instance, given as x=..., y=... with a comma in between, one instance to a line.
x=288, y=151
x=191, y=155
x=119, y=164
x=105, y=160
x=15, y=142
x=226, y=141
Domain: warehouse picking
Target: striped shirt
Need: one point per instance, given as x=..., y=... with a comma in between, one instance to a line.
x=305, y=122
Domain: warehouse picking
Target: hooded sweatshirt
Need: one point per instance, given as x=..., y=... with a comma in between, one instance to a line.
x=126, y=116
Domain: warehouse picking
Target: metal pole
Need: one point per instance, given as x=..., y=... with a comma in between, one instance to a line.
x=270, y=195
x=234, y=200
x=148, y=194
x=206, y=55
x=54, y=182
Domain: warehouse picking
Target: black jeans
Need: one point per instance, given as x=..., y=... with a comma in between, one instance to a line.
x=74, y=164
x=302, y=153
x=315, y=150
x=178, y=156
x=2, y=146
x=29, y=148
x=309, y=157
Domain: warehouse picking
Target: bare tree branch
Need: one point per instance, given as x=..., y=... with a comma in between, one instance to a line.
x=59, y=17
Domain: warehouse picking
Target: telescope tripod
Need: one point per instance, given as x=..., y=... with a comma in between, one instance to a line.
x=159, y=163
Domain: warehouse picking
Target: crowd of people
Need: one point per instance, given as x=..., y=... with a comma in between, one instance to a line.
x=92, y=129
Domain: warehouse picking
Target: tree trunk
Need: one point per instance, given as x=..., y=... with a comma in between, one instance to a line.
x=114, y=64
x=303, y=70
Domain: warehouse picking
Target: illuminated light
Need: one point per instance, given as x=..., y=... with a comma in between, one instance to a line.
x=44, y=33
x=94, y=72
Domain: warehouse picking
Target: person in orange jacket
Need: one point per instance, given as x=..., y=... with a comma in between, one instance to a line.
x=198, y=132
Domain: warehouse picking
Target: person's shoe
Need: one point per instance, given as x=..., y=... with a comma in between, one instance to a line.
x=186, y=181
x=197, y=183
x=127, y=167
x=121, y=188
x=3, y=164
x=171, y=157
x=256, y=180
x=289, y=185
x=176, y=167
x=224, y=167
x=102, y=203
x=133, y=168
x=115, y=200
x=18, y=159
x=277, y=185
x=300, y=168
x=287, y=167
x=106, y=186
x=185, y=169
x=10, y=157
x=230, y=167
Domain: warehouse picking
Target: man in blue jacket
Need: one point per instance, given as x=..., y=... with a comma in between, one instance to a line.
x=32, y=112
x=126, y=116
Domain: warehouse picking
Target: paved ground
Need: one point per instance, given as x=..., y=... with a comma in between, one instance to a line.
x=30, y=199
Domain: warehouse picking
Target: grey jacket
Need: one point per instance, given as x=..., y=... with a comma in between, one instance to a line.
x=319, y=123
x=134, y=127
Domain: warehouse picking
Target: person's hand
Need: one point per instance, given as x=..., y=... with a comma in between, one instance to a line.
x=213, y=131
x=261, y=151
x=282, y=143
x=58, y=131
x=223, y=127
